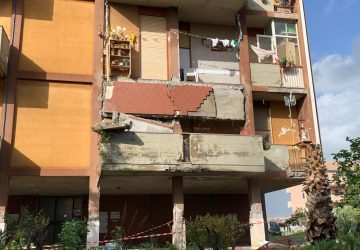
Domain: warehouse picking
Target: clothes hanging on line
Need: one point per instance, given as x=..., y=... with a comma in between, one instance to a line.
x=214, y=42
x=262, y=53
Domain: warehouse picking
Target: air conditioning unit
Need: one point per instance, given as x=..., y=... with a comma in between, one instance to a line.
x=4, y=52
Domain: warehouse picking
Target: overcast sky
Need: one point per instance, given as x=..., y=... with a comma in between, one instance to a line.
x=334, y=36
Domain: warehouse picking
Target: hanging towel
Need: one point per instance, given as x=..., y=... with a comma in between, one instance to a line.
x=214, y=42
x=262, y=53
x=225, y=42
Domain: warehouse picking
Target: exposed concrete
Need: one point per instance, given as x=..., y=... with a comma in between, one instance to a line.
x=265, y=75
x=229, y=103
x=4, y=188
x=147, y=125
x=178, y=230
x=208, y=108
x=92, y=239
x=277, y=158
x=256, y=216
x=143, y=148
x=227, y=150
x=260, y=5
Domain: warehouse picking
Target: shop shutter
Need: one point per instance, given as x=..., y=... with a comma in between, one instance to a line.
x=153, y=47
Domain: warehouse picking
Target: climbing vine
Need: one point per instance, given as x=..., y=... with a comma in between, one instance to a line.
x=103, y=142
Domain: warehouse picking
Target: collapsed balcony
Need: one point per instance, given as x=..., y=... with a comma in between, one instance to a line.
x=197, y=153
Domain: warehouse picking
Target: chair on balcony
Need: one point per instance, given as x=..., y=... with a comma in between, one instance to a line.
x=191, y=73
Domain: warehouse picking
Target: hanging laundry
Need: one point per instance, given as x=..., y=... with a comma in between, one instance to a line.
x=262, y=53
x=234, y=43
x=214, y=42
x=225, y=42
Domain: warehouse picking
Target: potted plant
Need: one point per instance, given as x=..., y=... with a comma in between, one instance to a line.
x=282, y=62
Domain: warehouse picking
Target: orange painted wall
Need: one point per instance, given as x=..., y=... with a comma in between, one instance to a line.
x=5, y=15
x=284, y=131
x=58, y=36
x=53, y=125
x=128, y=16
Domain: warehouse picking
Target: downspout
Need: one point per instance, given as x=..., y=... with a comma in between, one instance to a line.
x=310, y=75
x=6, y=85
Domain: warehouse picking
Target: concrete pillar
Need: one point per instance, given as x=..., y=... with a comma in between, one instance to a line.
x=94, y=208
x=178, y=230
x=4, y=187
x=256, y=216
x=265, y=216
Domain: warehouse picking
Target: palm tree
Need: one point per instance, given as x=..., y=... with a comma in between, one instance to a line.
x=320, y=220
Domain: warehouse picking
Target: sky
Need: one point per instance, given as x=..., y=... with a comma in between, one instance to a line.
x=334, y=38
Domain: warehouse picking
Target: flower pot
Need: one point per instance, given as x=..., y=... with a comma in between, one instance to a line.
x=283, y=64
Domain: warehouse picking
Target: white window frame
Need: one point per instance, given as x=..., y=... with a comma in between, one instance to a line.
x=258, y=42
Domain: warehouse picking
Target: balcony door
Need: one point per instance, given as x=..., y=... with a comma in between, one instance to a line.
x=153, y=47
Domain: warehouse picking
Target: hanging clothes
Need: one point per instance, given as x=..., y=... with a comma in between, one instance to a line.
x=262, y=53
x=214, y=42
x=234, y=43
x=225, y=42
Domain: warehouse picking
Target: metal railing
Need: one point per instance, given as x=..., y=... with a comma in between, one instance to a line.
x=297, y=157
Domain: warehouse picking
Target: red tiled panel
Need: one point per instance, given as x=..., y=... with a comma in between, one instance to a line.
x=189, y=98
x=140, y=98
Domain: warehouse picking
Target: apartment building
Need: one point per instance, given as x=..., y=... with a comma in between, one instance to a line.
x=298, y=196
x=136, y=113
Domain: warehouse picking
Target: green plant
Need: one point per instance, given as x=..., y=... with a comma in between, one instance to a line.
x=347, y=223
x=73, y=234
x=29, y=230
x=118, y=234
x=217, y=232
x=348, y=175
x=103, y=142
x=323, y=245
x=2, y=240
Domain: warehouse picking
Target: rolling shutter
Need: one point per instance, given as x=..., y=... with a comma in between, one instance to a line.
x=153, y=47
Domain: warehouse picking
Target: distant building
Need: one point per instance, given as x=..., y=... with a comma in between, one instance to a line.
x=298, y=196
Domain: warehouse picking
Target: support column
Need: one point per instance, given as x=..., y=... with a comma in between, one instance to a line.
x=256, y=216
x=245, y=78
x=178, y=230
x=94, y=208
x=4, y=187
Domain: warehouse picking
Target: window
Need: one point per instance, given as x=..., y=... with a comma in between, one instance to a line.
x=286, y=40
x=281, y=37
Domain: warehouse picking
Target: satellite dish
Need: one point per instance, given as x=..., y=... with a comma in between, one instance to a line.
x=290, y=101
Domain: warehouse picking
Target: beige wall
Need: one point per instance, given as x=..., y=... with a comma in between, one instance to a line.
x=203, y=57
x=5, y=15
x=284, y=129
x=127, y=16
x=298, y=197
x=53, y=125
x=58, y=36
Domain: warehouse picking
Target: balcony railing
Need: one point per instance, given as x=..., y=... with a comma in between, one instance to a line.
x=297, y=157
x=4, y=52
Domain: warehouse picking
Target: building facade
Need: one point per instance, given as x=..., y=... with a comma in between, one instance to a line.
x=298, y=196
x=139, y=113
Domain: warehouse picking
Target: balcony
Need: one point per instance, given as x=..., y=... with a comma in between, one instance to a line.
x=148, y=152
x=290, y=158
x=198, y=153
x=4, y=52
x=269, y=75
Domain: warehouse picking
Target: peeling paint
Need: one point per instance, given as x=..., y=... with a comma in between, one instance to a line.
x=109, y=92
